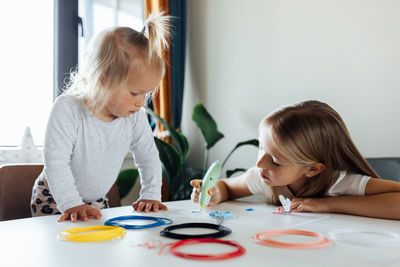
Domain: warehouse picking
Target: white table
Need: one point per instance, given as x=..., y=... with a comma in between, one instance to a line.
x=33, y=242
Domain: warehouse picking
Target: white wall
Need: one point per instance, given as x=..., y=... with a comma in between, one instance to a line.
x=246, y=58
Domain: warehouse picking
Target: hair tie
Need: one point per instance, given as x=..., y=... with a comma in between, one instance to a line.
x=143, y=31
x=222, y=231
x=158, y=221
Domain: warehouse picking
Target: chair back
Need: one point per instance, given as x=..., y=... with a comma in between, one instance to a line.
x=113, y=197
x=16, y=182
x=387, y=168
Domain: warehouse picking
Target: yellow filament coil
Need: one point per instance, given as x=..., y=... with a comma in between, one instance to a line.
x=92, y=233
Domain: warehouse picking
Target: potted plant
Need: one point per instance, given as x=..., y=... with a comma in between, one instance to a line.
x=175, y=172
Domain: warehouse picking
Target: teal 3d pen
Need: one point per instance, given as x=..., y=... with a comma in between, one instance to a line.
x=209, y=181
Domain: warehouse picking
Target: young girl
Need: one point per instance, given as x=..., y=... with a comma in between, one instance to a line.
x=306, y=154
x=98, y=120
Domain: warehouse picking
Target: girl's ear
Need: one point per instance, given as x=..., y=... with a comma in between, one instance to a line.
x=315, y=169
x=103, y=80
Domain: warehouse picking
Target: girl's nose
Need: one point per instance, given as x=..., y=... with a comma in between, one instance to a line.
x=141, y=101
x=261, y=161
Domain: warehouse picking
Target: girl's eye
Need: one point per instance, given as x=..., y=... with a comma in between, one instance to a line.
x=134, y=94
x=274, y=163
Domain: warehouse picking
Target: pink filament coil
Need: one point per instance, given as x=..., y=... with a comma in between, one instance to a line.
x=264, y=238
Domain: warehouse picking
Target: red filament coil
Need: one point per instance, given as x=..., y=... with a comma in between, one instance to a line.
x=238, y=252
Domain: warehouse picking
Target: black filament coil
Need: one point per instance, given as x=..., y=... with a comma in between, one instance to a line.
x=222, y=231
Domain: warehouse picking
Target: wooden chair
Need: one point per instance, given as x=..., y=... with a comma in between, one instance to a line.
x=16, y=182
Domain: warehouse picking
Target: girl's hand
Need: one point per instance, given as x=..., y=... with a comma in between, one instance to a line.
x=148, y=205
x=309, y=204
x=81, y=212
x=214, y=192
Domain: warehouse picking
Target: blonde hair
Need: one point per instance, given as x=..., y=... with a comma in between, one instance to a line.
x=113, y=55
x=311, y=131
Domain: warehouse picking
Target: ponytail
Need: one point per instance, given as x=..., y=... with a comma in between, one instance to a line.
x=157, y=32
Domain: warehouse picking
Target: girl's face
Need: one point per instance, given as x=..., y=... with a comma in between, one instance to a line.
x=128, y=98
x=275, y=168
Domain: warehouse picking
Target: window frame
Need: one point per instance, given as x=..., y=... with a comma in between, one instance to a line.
x=66, y=26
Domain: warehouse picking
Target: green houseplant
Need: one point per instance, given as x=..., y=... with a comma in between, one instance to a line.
x=211, y=135
x=175, y=171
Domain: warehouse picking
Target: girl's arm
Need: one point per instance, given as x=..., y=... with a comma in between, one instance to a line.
x=147, y=159
x=225, y=189
x=381, y=200
x=59, y=146
x=235, y=188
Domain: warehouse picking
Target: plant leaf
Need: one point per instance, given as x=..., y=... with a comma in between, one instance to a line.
x=171, y=160
x=184, y=144
x=207, y=125
x=180, y=140
x=182, y=188
x=229, y=173
x=126, y=180
x=253, y=142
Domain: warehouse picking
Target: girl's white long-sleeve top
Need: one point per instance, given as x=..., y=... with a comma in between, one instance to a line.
x=83, y=155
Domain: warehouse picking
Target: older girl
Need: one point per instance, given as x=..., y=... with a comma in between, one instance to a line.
x=306, y=154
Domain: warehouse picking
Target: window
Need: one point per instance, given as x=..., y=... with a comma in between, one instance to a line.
x=98, y=15
x=27, y=90
x=26, y=50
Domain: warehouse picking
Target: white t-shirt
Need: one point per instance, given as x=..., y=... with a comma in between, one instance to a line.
x=347, y=184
